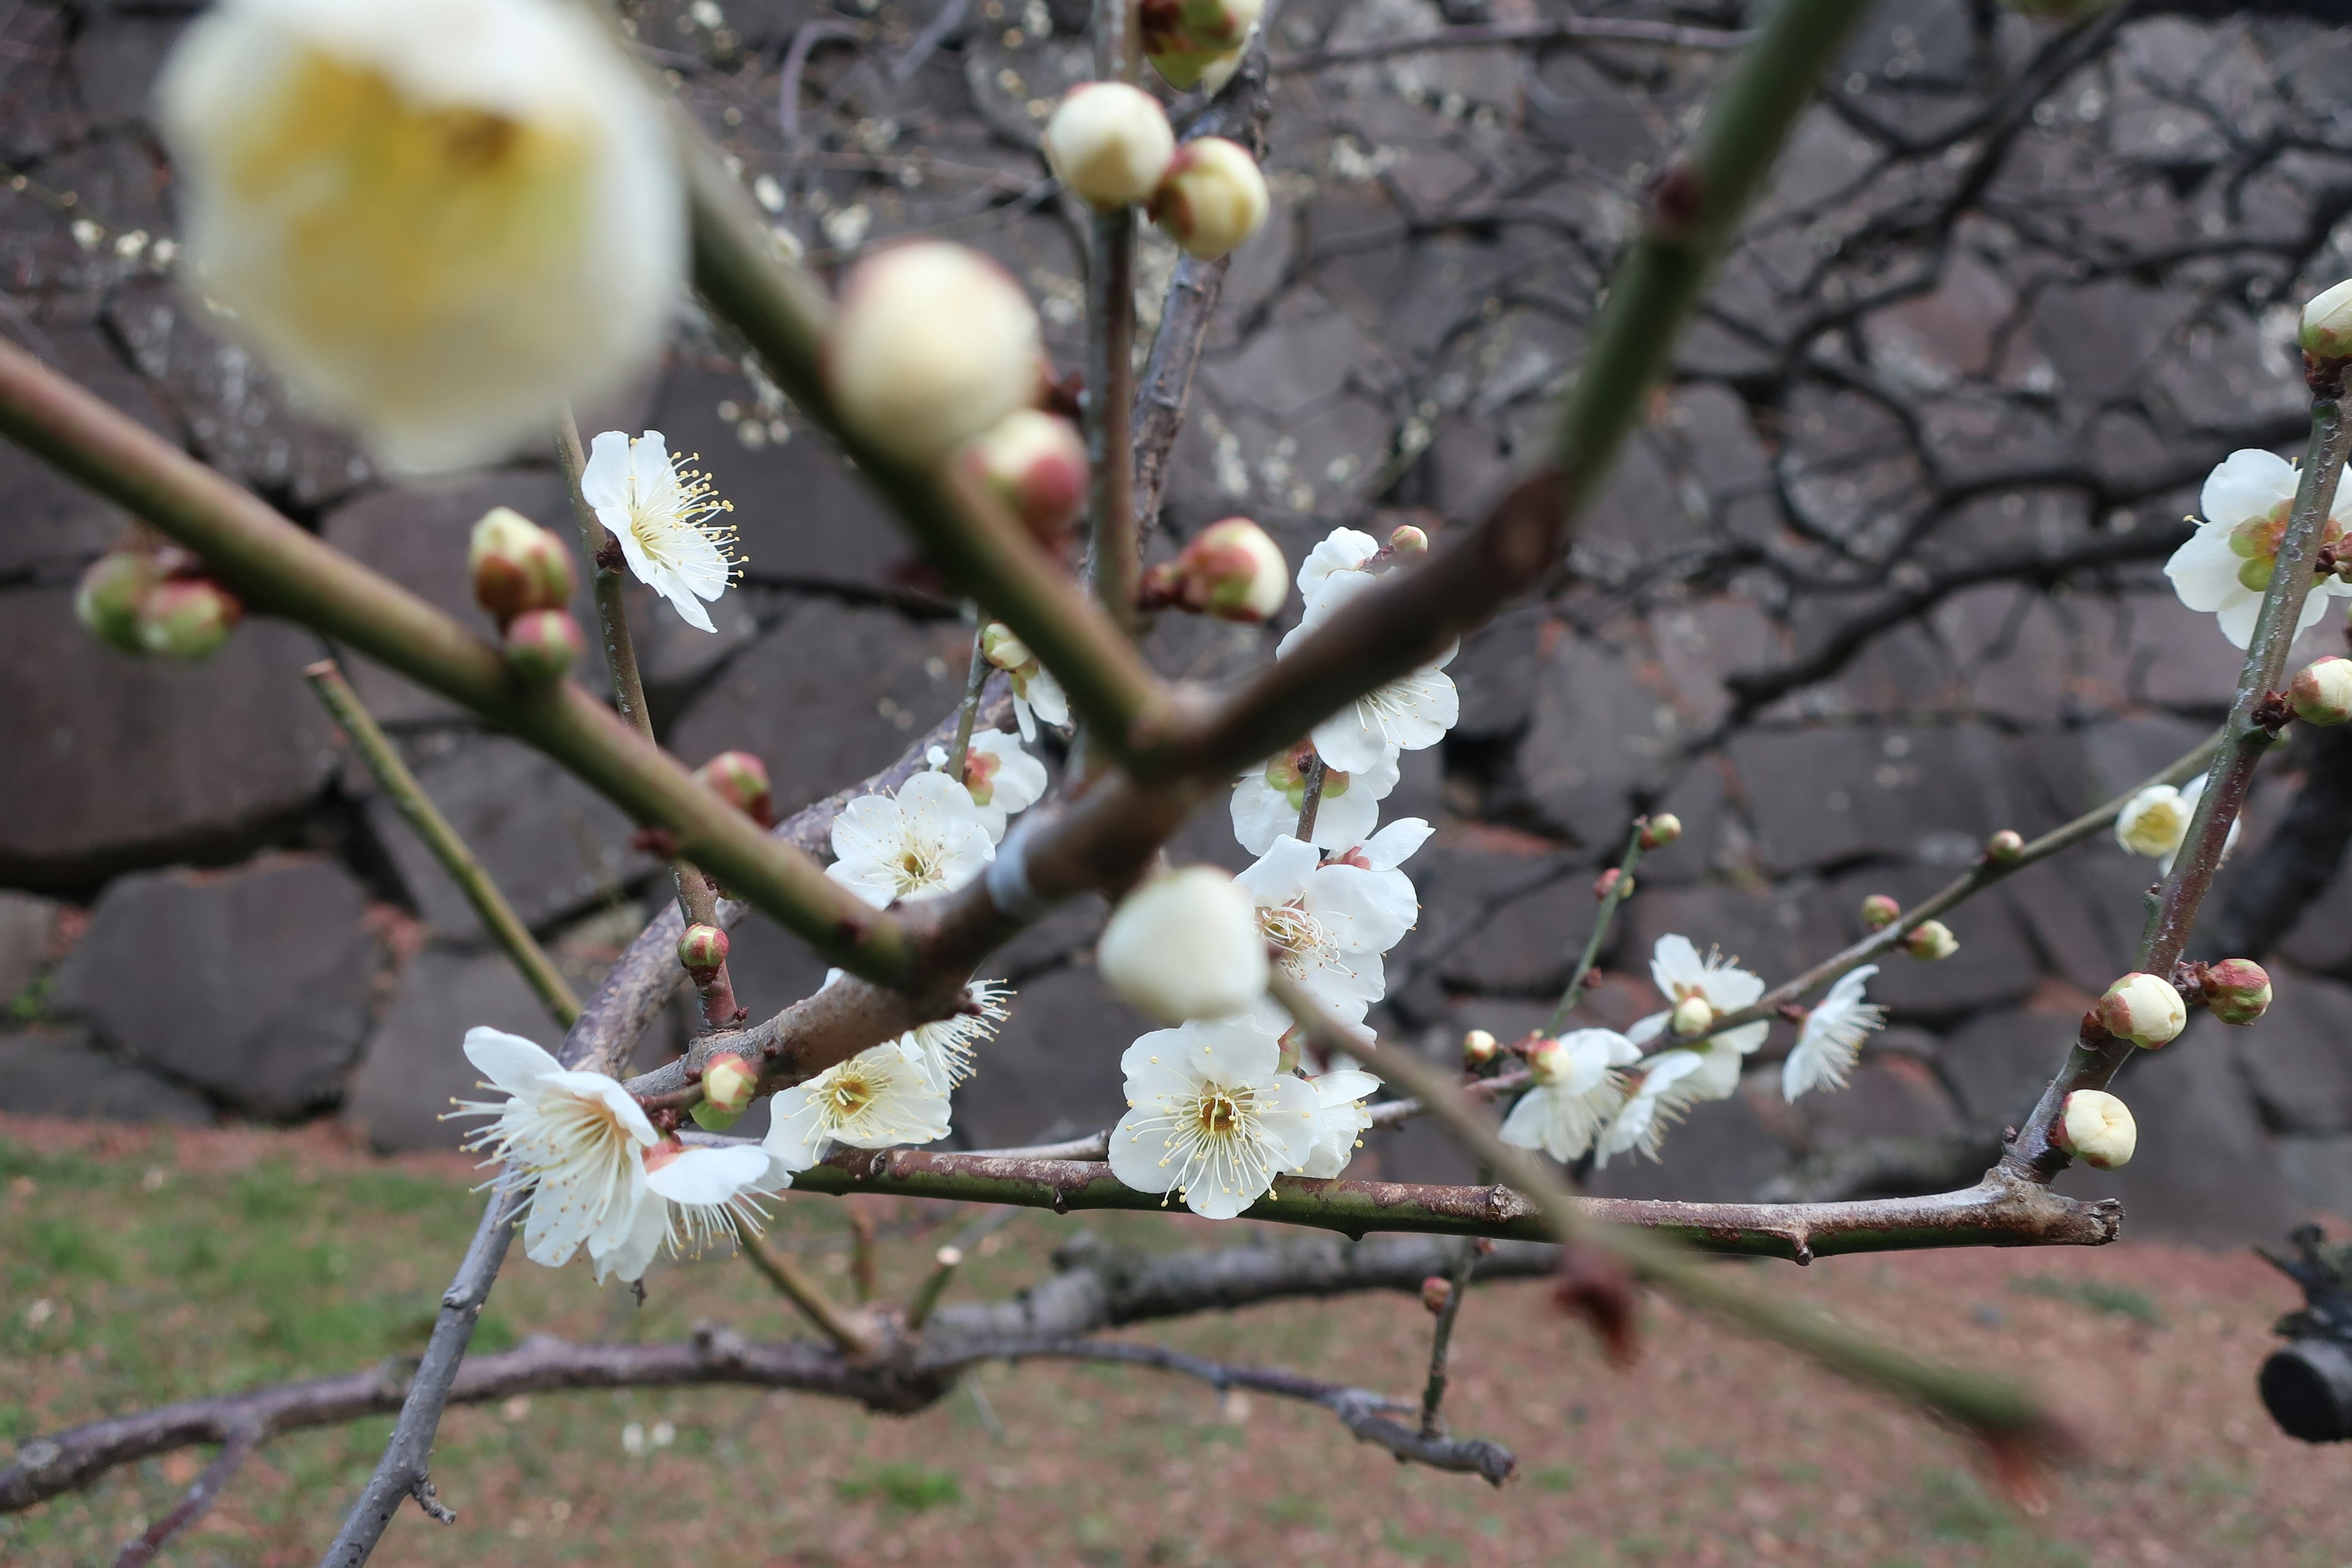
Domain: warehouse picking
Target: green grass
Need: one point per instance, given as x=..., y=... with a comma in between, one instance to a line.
x=909, y=1487
x=2099, y=1295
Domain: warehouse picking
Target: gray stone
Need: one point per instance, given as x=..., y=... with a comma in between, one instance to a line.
x=252, y=985
x=1494, y=675
x=553, y=845
x=27, y=936
x=829, y=697
x=2319, y=1171
x=2321, y=939
x=1998, y=1065
x=1053, y=1069
x=1888, y=1096
x=2083, y=909
x=1513, y=921
x=1821, y=796
x=1599, y=733
x=2298, y=1056
x=1996, y=964
x=415, y=1062
x=115, y=762
x=45, y=1074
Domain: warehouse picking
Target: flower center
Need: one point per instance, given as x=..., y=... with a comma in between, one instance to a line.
x=1217, y=1114
x=852, y=1095
x=918, y=867
x=1292, y=929
x=674, y=505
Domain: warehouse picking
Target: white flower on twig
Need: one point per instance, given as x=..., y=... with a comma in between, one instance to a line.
x=1672, y=1082
x=1408, y=713
x=1211, y=1118
x=927, y=839
x=1831, y=1036
x=1331, y=922
x=1003, y=779
x=1339, y=1120
x=876, y=1100
x=946, y=1047
x=1342, y=550
x=696, y=1199
x=1267, y=800
x=1037, y=697
x=2155, y=822
x=1577, y=1089
x=1699, y=990
x=664, y=515
x=577, y=1139
x=2227, y=564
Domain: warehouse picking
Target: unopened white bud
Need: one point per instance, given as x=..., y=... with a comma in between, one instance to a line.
x=1002, y=647
x=1931, y=941
x=2328, y=324
x=2322, y=692
x=1196, y=43
x=1478, y=1048
x=934, y=344
x=1037, y=463
x=1547, y=1061
x=1693, y=1016
x=2145, y=1009
x=1110, y=143
x=1230, y=570
x=2097, y=1129
x=1186, y=945
x=1211, y=199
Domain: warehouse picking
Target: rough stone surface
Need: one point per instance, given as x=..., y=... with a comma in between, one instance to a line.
x=27, y=932
x=1998, y=1064
x=1888, y=1096
x=415, y=1062
x=1054, y=1070
x=553, y=845
x=114, y=762
x=1996, y=964
x=251, y=985
x=2298, y=1054
x=2319, y=1171
x=1599, y=731
x=58, y=1074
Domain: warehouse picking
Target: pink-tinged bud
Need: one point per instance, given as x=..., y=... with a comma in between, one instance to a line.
x=110, y=593
x=1110, y=143
x=2005, y=846
x=1661, y=831
x=1212, y=198
x=541, y=644
x=517, y=566
x=1692, y=1015
x=1436, y=1293
x=1612, y=880
x=2145, y=1009
x=1404, y=539
x=1232, y=571
x=2237, y=990
x=1478, y=1048
x=741, y=780
x=1186, y=40
x=728, y=1082
x=187, y=618
x=702, y=950
x=1037, y=464
x=1547, y=1061
x=2096, y=1129
x=933, y=344
x=1879, y=911
x=2328, y=324
x=1930, y=941
x=2322, y=692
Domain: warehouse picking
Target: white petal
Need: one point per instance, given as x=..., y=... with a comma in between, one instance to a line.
x=1291, y=1113
x=798, y=1136
x=627, y=1256
x=1351, y=739
x=605, y=481
x=709, y=1175
x=1047, y=696
x=871, y=829
x=1675, y=967
x=1236, y=1052
x=1137, y=1152
x=1262, y=813
x=1394, y=844
x=2204, y=570
x=2238, y=617
x=509, y=1061
x=1342, y=1085
x=1367, y=912
x=1281, y=874
x=2246, y=484
x=1641, y=1031
x=1341, y=550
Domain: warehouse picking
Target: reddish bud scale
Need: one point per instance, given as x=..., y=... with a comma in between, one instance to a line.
x=1879, y=911
x=1612, y=880
x=517, y=566
x=2236, y=990
x=1435, y=1292
x=111, y=591
x=187, y=618
x=540, y=645
x=703, y=951
x=741, y=780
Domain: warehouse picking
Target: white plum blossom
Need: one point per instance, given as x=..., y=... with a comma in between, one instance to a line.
x=1211, y=1116
x=927, y=839
x=2226, y=564
x=945, y=1047
x=1831, y=1036
x=1408, y=713
x=1578, y=1090
x=1329, y=923
x=1699, y=990
x=663, y=515
x=695, y=1199
x=1338, y=1121
x=577, y=1139
x=1266, y=801
x=1672, y=1081
x=1186, y=945
x=1037, y=697
x=1003, y=779
x=878, y=1099
x=2155, y=822
x=1342, y=550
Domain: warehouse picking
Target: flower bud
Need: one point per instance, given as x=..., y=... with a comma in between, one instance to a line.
x=107, y=600
x=1037, y=464
x=1404, y=539
x=2145, y=1009
x=741, y=780
x=1185, y=40
x=2096, y=1129
x=1661, y=831
x=711, y=1119
x=517, y=566
x=1211, y=199
x=1186, y=945
x=1693, y=1016
x=1930, y=941
x=2005, y=846
x=2328, y=324
x=1436, y=1293
x=702, y=950
x=541, y=644
x=1547, y=1061
x=933, y=344
x=1233, y=572
x=1002, y=648
x=187, y=618
x=1478, y=1048
x=2153, y=821
x=2322, y=692
x=729, y=1080
x=1879, y=911
x=1612, y=880
x=1110, y=143
x=2237, y=990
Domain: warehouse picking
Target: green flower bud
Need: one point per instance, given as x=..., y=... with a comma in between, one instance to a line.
x=542, y=644
x=187, y=618
x=109, y=595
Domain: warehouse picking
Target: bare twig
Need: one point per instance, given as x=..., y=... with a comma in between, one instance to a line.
x=967, y=711
x=198, y=1499
x=1310, y=802
x=1618, y=891
x=1440, y=1339
x=850, y=1334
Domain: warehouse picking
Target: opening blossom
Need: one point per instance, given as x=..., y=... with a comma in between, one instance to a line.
x=876, y=1100
x=1671, y=1084
x=696, y=1199
x=438, y=218
x=662, y=513
x=1036, y=695
x=1001, y=779
x=1408, y=713
x=578, y=1139
x=2155, y=822
x=927, y=839
x=1578, y=1090
x=1699, y=991
x=945, y=1047
x=1211, y=1118
x=1332, y=920
x=1339, y=1120
x=1831, y=1036
x=1266, y=801
x=2227, y=564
